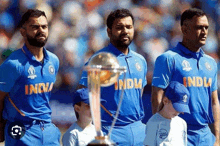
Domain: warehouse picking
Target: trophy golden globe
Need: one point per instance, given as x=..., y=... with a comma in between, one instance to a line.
x=103, y=70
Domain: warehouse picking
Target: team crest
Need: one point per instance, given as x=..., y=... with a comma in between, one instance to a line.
x=31, y=72
x=163, y=133
x=208, y=66
x=138, y=66
x=186, y=65
x=185, y=98
x=51, y=69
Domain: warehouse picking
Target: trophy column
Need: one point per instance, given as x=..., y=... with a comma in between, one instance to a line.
x=103, y=70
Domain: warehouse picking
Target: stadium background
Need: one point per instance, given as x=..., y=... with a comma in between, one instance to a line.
x=77, y=29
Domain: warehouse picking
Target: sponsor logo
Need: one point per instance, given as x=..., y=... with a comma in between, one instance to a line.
x=163, y=133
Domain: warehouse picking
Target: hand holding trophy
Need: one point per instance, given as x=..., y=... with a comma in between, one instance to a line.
x=103, y=70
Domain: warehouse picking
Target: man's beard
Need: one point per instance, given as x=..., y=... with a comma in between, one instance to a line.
x=33, y=41
x=121, y=44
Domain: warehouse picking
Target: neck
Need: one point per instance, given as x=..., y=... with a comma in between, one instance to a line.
x=84, y=123
x=164, y=113
x=36, y=51
x=189, y=45
x=122, y=49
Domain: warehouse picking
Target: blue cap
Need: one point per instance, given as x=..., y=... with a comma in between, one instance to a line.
x=82, y=95
x=179, y=96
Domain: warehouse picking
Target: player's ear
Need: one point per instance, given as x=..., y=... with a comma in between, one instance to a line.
x=109, y=31
x=22, y=31
x=77, y=108
x=165, y=100
x=185, y=28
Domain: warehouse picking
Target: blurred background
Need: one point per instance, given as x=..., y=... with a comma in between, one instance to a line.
x=77, y=29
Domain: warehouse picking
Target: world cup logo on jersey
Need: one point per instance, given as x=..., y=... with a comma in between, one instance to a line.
x=31, y=72
x=103, y=70
x=186, y=65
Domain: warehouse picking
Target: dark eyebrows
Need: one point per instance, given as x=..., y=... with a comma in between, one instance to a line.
x=32, y=25
x=201, y=26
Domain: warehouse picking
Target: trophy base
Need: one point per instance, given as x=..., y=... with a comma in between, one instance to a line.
x=101, y=141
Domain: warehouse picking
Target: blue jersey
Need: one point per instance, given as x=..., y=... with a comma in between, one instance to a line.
x=198, y=72
x=132, y=108
x=29, y=84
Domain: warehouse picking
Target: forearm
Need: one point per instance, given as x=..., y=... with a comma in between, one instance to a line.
x=155, y=104
x=156, y=98
x=1, y=108
x=215, y=108
x=2, y=122
x=215, y=111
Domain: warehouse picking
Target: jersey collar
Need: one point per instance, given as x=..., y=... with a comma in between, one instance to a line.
x=186, y=51
x=31, y=56
x=117, y=52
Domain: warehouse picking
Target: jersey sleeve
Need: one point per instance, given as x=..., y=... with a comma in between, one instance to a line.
x=57, y=64
x=145, y=73
x=9, y=73
x=162, y=71
x=214, y=85
x=150, y=134
x=69, y=139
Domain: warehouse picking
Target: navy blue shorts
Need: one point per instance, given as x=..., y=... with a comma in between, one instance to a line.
x=129, y=135
x=200, y=137
x=37, y=133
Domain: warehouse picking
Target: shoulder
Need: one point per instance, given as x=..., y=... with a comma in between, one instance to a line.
x=15, y=60
x=73, y=129
x=137, y=55
x=210, y=59
x=180, y=120
x=210, y=62
x=155, y=119
x=105, y=49
x=52, y=55
x=171, y=53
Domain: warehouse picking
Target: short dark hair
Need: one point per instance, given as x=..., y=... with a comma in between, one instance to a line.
x=30, y=13
x=119, y=13
x=190, y=13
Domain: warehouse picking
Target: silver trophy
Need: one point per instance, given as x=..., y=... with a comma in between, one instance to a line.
x=103, y=70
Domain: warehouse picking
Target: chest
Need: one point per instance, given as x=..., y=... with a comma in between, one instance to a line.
x=38, y=78
x=135, y=74
x=86, y=136
x=171, y=134
x=194, y=72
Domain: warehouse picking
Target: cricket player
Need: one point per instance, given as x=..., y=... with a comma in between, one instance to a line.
x=27, y=77
x=128, y=130
x=188, y=64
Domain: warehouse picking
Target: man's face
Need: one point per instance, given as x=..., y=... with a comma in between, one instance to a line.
x=36, y=31
x=197, y=30
x=122, y=32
